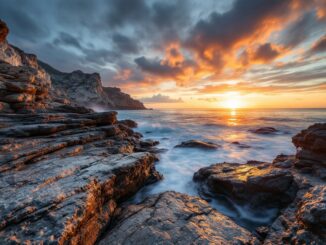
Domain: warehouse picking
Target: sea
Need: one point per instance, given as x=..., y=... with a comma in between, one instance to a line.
x=223, y=127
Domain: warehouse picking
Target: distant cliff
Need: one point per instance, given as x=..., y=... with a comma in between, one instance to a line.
x=87, y=90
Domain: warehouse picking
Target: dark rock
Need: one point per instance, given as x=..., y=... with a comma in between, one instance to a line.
x=258, y=184
x=264, y=130
x=302, y=222
x=174, y=218
x=129, y=123
x=148, y=143
x=240, y=145
x=198, y=144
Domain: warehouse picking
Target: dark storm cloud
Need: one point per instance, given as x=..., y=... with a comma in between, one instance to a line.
x=67, y=39
x=302, y=29
x=22, y=21
x=266, y=52
x=125, y=44
x=156, y=67
x=319, y=46
x=224, y=30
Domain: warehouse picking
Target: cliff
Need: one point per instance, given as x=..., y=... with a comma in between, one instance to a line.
x=87, y=90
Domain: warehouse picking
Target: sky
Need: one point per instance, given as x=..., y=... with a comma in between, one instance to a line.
x=184, y=53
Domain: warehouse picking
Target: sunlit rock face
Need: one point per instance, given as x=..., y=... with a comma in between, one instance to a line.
x=174, y=218
x=311, y=155
x=63, y=174
x=260, y=185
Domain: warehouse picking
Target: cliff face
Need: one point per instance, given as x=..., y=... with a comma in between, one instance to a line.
x=122, y=100
x=87, y=90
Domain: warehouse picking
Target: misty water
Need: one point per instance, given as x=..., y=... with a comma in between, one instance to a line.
x=222, y=127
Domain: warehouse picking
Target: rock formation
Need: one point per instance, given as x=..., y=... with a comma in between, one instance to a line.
x=174, y=218
x=62, y=175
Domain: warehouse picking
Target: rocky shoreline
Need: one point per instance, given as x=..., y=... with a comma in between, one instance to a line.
x=66, y=171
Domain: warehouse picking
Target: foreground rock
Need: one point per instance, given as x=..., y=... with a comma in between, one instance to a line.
x=62, y=175
x=198, y=144
x=173, y=218
x=295, y=185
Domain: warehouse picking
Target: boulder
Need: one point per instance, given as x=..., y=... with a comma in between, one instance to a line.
x=198, y=144
x=264, y=130
x=174, y=218
x=256, y=184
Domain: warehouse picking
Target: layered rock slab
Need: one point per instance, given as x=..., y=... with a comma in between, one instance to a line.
x=62, y=175
x=174, y=218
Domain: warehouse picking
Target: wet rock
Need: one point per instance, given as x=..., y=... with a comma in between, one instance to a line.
x=240, y=145
x=129, y=123
x=62, y=175
x=311, y=154
x=256, y=184
x=198, y=144
x=174, y=218
x=302, y=222
x=264, y=130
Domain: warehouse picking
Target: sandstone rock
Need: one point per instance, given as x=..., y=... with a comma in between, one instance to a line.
x=198, y=144
x=264, y=130
x=62, y=175
x=256, y=184
x=174, y=218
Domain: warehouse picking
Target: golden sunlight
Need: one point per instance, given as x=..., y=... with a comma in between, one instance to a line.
x=232, y=101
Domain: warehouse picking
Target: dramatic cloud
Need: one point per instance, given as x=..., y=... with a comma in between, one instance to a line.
x=175, y=45
x=159, y=98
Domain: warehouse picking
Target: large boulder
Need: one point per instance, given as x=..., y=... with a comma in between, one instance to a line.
x=260, y=185
x=174, y=218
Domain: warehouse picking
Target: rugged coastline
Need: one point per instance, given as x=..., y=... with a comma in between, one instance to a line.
x=66, y=171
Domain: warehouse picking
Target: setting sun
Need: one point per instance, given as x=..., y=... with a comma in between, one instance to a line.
x=232, y=101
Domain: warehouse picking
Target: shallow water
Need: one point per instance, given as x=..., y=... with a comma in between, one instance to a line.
x=223, y=127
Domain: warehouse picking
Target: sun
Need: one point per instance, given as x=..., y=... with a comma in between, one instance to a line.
x=232, y=101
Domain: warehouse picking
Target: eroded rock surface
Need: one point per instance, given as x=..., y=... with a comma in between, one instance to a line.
x=174, y=218
x=311, y=156
x=62, y=175
x=198, y=144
